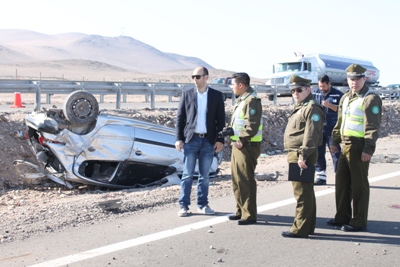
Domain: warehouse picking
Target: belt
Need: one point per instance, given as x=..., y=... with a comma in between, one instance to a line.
x=351, y=140
x=348, y=142
x=201, y=135
x=252, y=143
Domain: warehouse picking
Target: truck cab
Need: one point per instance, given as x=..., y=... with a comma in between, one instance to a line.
x=304, y=67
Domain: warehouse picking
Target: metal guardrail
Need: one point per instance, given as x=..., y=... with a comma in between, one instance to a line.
x=122, y=89
x=119, y=89
x=49, y=88
x=384, y=92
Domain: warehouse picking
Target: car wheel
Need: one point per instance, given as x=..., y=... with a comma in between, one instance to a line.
x=271, y=97
x=224, y=97
x=81, y=108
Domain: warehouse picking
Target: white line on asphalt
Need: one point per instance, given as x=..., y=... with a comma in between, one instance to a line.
x=176, y=231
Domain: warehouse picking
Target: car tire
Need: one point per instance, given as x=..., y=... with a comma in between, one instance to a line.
x=81, y=108
x=224, y=97
x=271, y=97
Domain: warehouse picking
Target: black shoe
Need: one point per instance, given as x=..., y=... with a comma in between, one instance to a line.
x=290, y=234
x=234, y=217
x=320, y=182
x=246, y=222
x=332, y=222
x=351, y=228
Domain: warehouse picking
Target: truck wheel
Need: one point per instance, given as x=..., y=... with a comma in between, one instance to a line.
x=81, y=108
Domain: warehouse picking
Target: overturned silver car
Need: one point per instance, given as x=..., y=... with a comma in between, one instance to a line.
x=77, y=145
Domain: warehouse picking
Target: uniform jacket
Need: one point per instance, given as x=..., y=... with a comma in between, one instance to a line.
x=252, y=110
x=187, y=114
x=333, y=97
x=372, y=106
x=305, y=128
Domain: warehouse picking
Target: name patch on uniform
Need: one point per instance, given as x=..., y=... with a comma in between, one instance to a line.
x=252, y=111
x=375, y=109
x=315, y=117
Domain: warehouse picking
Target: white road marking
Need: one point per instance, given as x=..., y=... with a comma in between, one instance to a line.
x=176, y=231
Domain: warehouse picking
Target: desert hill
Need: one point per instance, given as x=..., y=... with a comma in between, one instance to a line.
x=75, y=56
x=121, y=51
x=31, y=55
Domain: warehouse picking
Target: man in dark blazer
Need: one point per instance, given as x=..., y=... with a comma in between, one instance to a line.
x=201, y=115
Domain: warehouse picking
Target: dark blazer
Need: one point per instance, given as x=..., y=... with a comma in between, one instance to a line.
x=187, y=115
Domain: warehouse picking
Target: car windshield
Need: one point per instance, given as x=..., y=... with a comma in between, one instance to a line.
x=288, y=66
x=218, y=81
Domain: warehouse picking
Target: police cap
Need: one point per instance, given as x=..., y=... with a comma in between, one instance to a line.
x=296, y=81
x=355, y=71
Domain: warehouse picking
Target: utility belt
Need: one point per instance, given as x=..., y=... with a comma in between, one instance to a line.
x=252, y=143
x=347, y=140
x=294, y=151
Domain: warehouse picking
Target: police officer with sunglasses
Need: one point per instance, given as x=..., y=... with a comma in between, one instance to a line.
x=302, y=137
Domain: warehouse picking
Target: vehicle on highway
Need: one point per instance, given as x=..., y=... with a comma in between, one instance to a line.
x=313, y=66
x=389, y=94
x=78, y=145
x=223, y=81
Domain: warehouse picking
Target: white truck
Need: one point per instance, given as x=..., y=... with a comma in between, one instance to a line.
x=314, y=66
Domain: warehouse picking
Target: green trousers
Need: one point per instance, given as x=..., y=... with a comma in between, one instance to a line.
x=352, y=185
x=243, y=166
x=306, y=208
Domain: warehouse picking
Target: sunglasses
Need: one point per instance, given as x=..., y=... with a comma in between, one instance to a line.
x=298, y=90
x=197, y=76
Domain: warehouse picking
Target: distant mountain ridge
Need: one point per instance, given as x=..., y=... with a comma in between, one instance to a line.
x=122, y=52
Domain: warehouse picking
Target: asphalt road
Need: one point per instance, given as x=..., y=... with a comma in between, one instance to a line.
x=163, y=238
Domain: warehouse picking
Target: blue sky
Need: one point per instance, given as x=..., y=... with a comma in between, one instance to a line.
x=229, y=34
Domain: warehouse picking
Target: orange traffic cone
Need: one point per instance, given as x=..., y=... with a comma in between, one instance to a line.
x=17, y=101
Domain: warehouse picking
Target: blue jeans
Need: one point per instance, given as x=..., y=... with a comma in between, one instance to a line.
x=197, y=149
x=321, y=162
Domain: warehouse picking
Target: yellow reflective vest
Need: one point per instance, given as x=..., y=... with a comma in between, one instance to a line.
x=238, y=121
x=353, y=117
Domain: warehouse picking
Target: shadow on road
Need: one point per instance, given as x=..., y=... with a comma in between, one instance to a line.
x=377, y=232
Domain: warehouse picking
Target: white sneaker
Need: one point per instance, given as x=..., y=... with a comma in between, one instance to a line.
x=321, y=175
x=206, y=210
x=183, y=212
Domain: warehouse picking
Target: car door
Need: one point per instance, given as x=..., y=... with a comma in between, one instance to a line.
x=112, y=143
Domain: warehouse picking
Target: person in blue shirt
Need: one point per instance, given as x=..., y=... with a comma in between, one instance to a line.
x=329, y=98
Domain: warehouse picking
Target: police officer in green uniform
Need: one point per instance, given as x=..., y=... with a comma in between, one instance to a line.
x=302, y=137
x=359, y=119
x=246, y=123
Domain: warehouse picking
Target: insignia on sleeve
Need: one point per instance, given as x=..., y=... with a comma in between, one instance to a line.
x=315, y=117
x=252, y=111
x=375, y=109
